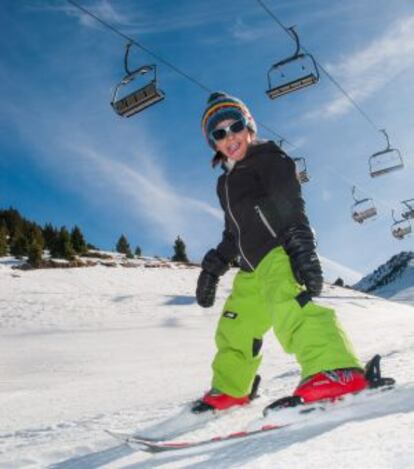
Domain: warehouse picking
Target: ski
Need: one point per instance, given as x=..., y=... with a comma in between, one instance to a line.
x=151, y=446
x=277, y=420
x=186, y=421
x=280, y=414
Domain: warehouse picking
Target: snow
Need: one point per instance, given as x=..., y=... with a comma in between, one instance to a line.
x=332, y=270
x=393, y=280
x=87, y=349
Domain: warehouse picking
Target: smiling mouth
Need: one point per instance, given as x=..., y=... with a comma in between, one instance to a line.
x=233, y=148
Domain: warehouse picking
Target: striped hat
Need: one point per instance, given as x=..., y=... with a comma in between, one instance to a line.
x=220, y=107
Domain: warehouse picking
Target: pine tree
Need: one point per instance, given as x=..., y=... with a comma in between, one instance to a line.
x=63, y=248
x=34, y=233
x=35, y=253
x=50, y=235
x=19, y=245
x=138, y=251
x=123, y=247
x=3, y=239
x=339, y=282
x=78, y=241
x=179, y=251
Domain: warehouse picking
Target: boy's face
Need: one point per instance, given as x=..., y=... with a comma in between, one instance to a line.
x=233, y=145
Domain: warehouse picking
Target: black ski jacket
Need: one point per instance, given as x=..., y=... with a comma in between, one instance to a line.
x=261, y=198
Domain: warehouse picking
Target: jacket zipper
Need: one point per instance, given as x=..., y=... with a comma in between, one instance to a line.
x=265, y=221
x=235, y=222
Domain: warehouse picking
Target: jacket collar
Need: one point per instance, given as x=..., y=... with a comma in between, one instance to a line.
x=255, y=148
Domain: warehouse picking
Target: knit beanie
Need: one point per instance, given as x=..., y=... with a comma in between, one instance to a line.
x=220, y=107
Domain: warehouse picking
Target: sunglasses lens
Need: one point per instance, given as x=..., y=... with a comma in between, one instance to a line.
x=219, y=134
x=238, y=126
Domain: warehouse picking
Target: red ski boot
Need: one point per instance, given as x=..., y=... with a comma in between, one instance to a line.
x=217, y=400
x=331, y=384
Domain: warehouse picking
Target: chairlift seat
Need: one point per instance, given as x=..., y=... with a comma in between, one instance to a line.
x=362, y=209
x=293, y=85
x=385, y=161
x=409, y=213
x=400, y=232
x=138, y=100
x=303, y=177
x=361, y=216
x=309, y=72
x=301, y=169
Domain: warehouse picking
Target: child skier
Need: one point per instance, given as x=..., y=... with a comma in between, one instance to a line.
x=267, y=228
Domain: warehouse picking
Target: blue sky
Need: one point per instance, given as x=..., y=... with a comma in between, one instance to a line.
x=67, y=158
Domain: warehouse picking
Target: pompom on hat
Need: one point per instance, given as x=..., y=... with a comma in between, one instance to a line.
x=220, y=107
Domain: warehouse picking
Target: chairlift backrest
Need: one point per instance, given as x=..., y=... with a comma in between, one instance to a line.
x=307, y=62
x=138, y=100
x=385, y=161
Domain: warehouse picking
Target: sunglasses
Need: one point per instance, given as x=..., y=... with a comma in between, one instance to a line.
x=223, y=132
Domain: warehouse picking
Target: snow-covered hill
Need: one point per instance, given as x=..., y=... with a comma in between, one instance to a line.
x=393, y=280
x=87, y=349
x=333, y=270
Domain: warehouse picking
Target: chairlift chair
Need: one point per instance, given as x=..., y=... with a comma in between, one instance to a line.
x=400, y=228
x=409, y=213
x=308, y=72
x=141, y=98
x=385, y=161
x=362, y=209
x=301, y=170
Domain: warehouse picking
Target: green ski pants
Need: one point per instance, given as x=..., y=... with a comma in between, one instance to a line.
x=265, y=299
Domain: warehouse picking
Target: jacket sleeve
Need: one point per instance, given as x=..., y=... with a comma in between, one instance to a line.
x=281, y=201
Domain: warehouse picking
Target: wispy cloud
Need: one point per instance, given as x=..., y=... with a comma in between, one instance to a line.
x=148, y=192
x=125, y=172
x=368, y=70
x=102, y=8
x=139, y=19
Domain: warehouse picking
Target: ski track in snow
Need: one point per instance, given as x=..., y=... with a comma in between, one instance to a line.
x=88, y=349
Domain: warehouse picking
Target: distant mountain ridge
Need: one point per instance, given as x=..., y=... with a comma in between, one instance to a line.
x=394, y=279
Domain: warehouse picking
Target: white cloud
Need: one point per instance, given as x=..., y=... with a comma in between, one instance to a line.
x=112, y=164
x=103, y=9
x=365, y=72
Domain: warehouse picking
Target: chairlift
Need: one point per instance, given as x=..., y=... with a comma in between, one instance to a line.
x=300, y=164
x=400, y=228
x=301, y=169
x=141, y=98
x=287, y=70
x=362, y=209
x=409, y=213
x=385, y=161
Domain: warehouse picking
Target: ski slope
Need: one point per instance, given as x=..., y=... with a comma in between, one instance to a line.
x=84, y=350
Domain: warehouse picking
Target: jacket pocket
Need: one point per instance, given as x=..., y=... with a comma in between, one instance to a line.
x=265, y=221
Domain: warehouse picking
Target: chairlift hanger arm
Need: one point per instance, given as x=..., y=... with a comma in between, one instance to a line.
x=387, y=139
x=353, y=194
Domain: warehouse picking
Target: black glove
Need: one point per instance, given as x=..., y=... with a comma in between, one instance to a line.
x=206, y=289
x=213, y=267
x=299, y=243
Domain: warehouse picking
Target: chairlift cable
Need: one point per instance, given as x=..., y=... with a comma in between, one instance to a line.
x=329, y=76
x=204, y=87
x=141, y=46
x=165, y=62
